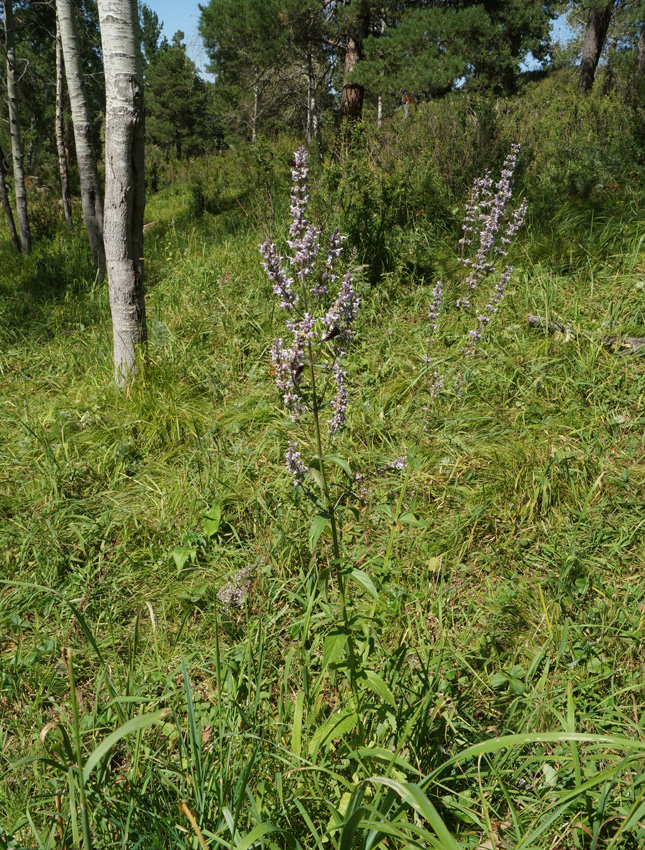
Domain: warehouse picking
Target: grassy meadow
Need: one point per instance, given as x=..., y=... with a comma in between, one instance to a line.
x=495, y=586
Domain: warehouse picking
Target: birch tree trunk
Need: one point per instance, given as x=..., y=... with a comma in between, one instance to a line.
x=89, y=177
x=14, y=130
x=6, y=206
x=594, y=41
x=66, y=195
x=124, y=179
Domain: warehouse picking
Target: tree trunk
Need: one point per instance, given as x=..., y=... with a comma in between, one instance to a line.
x=87, y=170
x=379, y=113
x=313, y=123
x=310, y=94
x=124, y=183
x=6, y=206
x=640, y=52
x=66, y=195
x=254, y=117
x=609, y=70
x=594, y=41
x=14, y=129
x=351, y=104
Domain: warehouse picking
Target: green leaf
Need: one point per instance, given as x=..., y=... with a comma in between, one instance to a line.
x=408, y=518
x=318, y=525
x=498, y=680
x=379, y=687
x=385, y=756
x=340, y=462
x=414, y=462
x=134, y=725
x=181, y=555
x=414, y=797
x=315, y=476
x=338, y=725
x=494, y=745
x=260, y=831
x=334, y=647
x=365, y=582
x=517, y=686
x=296, y=729
x=212, y=520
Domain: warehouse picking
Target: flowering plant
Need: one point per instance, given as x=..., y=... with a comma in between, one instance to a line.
x=322, y=307
x=489, y=227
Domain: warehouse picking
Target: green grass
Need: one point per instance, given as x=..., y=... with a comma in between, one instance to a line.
x=513, y=603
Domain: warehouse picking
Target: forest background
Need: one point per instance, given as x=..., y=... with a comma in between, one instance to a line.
x=196, y=653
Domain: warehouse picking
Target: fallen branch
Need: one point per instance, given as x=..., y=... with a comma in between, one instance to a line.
x=620, y=345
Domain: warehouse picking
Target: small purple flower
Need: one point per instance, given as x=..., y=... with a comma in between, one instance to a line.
x=295, y=466
x=342, y=314
x=281, y=283
x=339, y=401
x=486, y=221
x=321, y=323
x=489, y=311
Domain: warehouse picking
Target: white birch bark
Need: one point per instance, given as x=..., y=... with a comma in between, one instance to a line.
x=14, y=130
x=88, y=173
x=124, y=179
x=66, y=195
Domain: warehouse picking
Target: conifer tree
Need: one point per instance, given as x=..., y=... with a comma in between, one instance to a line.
x=179, y=109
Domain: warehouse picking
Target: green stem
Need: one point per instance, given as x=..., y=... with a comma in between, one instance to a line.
x=331, y=510
x=87, y=840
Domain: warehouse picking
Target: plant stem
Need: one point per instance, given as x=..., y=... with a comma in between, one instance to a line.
x=87, y=840
x=331, y=510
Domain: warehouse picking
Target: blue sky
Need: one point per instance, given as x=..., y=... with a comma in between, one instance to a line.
x=182, y=16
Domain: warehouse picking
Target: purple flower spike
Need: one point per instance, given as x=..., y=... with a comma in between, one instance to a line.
x=489, y=227
x=486, y=221
x=281, y=283
x=322, y=308
x=339, y=402
x=295, y=466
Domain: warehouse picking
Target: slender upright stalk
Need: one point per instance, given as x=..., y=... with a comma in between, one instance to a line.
x=85, y=822
x=331, y=510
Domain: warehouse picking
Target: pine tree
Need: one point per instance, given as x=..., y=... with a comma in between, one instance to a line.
x=257, y=53
x=179, y=107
